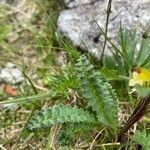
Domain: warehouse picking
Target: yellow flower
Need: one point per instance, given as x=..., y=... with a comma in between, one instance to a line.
x=141, y=76
x=141, y=81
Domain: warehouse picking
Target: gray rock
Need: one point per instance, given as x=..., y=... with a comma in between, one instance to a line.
x=11, y=74
x=79, y=24
x=75, y=3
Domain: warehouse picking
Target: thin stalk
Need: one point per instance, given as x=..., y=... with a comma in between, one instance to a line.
x=31, y=83
x=106, y=29
x=27, y=99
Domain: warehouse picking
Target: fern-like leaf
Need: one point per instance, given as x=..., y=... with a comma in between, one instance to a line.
x=98, y=92
x=70, y=132
x=60, y=114
x=62, y=82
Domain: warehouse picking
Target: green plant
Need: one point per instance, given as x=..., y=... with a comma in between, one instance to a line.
x=98, y=108
x=60, y=114
x=142, y=138
x=4, y=31
x=63, y=81
x=125, y=57
x=98, y=92
x=70, y=132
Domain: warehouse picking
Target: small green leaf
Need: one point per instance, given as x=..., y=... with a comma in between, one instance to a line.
x=110, y=74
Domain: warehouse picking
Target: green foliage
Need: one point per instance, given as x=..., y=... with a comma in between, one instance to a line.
x=63, y=81
x=63, y=148
x=70, y=132
x=53, y=5
x=143, y=139
x=143, y=56
x=98, y=93
x=127, y=48
x=142, y=91
x=127, y=55
x=60, y=114
x=131, y=56
x=3, y=32
x=131, y=51
x=4, y=27
x=99, y=96
x=50, y=38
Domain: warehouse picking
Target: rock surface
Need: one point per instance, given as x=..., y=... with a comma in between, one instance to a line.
x=79, y=24
x=75, y=3
x=11, y=74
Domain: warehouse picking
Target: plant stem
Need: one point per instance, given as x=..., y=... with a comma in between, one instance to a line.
x=28, y=98
x=106, y=29
x=138, y=113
